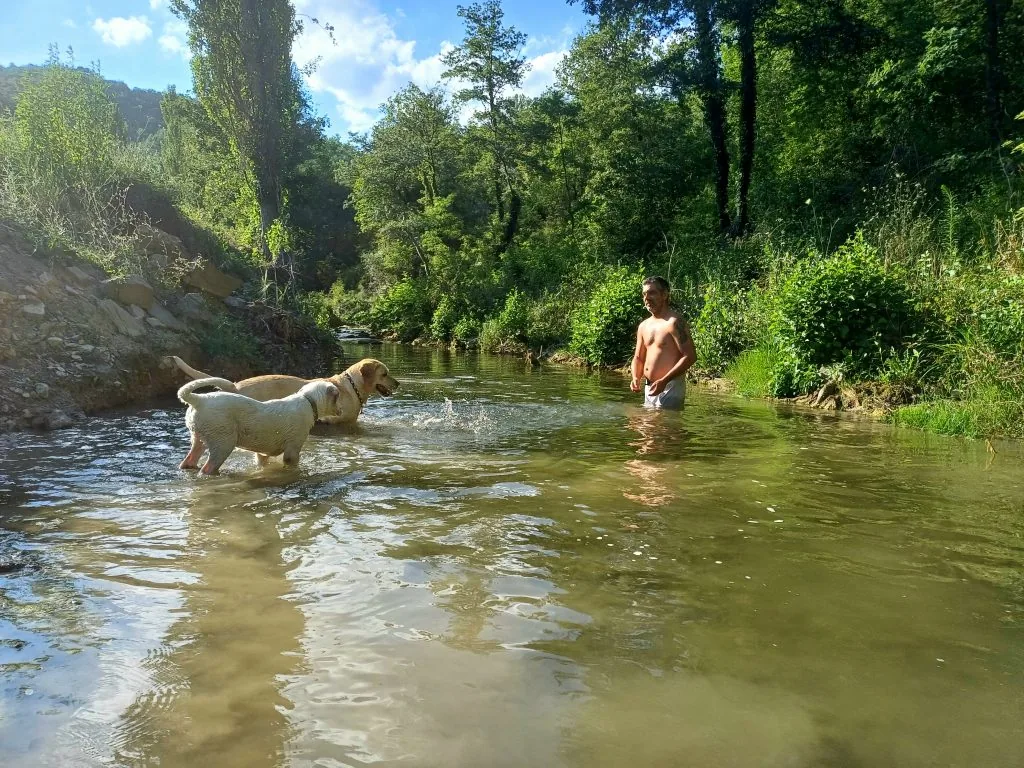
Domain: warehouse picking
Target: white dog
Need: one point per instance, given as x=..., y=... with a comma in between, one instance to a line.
x=222, y=421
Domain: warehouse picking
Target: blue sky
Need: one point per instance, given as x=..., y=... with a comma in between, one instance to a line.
x=381, y=44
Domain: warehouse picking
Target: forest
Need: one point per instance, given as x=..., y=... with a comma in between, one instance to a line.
x=833, y=188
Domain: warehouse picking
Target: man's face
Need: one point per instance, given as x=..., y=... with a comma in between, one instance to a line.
x=654, y=298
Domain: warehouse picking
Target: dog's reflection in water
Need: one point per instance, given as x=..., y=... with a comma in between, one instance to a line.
x=652, y=428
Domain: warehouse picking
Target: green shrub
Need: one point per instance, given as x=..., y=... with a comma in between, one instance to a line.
x=752, y=372
x=507, y=331
x=230, y=339
x=466, y=330
x=316, y=307
x=349, y=307
x=68, y=129
x=846, y=307
x=718, y=329
x=403, y=309
x=549, y=320
x=445, y=317
x=771, y=371
x=993, y=411
x=604, y=330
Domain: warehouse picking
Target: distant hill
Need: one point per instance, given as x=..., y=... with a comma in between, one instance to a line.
x=140, y=107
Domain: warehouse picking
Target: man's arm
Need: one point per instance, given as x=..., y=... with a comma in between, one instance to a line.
x=639, y=356
x=688, y=355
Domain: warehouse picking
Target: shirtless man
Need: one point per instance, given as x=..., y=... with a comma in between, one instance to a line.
x=664, y=350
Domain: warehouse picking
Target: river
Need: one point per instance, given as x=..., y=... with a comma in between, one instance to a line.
x=506, y=566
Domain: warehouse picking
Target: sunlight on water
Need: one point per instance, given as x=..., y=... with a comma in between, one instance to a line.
x=509, y=567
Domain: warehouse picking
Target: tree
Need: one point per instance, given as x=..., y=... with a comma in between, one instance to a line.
x=243, y=76
x=696, y=64
x=406, y=182
x=488, y=60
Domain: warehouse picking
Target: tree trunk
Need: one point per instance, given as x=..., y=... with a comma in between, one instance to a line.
x=714, y=105
x=495, y=152
x=993, y=73
x=748, y=113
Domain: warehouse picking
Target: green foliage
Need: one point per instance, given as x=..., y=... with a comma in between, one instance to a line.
x=604, y=329
x=846, y=307
x=992, y=412
x=753, y=372
x=349, y=307
x=466, y=331
x=316, y=307
x=444, y=320
x=245, y=79
x=771, y=370
x=230, y=339
x=67, y=130
x=403, y=309
x=548, y=323
x=508, y=330
x=717, y=331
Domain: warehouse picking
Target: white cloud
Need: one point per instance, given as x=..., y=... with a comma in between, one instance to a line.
x=121, y=32
x=541, y=74
x=69, y=23
x=368, y=62
x=154, y=4
x=173, y=39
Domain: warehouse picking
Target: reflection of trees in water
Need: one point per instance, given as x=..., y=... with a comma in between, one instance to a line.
x=217, y=698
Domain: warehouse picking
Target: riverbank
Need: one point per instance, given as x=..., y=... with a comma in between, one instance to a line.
x=75, y=342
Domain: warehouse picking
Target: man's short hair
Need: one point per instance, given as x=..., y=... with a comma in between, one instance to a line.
x=658, y=281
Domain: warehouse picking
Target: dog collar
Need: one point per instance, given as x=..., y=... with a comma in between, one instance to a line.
x=362, y=400
x=312, y=404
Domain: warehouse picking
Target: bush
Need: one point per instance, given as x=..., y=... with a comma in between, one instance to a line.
x=507, y=331
x=466, y=331
x=549, y=320
x=230, y=339
x=604, y=330
x=403, y=309
x=445, y=317
x=349, y=307
x=316, y=307
x=68, y=130
x=771, y=371
x=846, y=307
x=718, y=329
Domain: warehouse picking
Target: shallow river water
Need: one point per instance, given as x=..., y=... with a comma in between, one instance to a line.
x=511, y=567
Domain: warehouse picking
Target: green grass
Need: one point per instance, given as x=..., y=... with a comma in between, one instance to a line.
x=989, y=415
x=754, y=372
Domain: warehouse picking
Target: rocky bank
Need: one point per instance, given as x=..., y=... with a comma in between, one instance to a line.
x=74, y=342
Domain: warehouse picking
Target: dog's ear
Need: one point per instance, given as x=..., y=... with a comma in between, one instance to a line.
x=334, y=394
x=368, y=370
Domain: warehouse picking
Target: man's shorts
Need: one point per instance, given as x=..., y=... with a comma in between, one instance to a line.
x=671, y=397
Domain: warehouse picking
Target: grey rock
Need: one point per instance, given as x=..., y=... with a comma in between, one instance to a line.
x=36, y=308
x=193, y=305
x=81, y=277
x=162, y=314
x=155, y=323
x=55, y=341
x=137, y=312
x=129, y=290
x=207, y=277
x=43, y=390
x=123, y=322
x=235, y=303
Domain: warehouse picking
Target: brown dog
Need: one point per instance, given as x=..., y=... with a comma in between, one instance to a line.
x=356, y=384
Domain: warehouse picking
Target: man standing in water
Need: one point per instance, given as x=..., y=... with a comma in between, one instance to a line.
x=664, y=349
